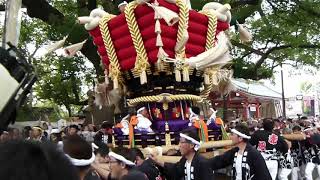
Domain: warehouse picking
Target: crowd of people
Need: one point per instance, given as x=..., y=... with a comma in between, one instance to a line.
x=86, y=153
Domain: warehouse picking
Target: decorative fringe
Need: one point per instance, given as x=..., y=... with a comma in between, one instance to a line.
x=169, y=16
x=115, y=83
x=177, y=75
x=73, y=49
x=56, y=45
x=159, y=42
x=206, y=79
x=185, y=74
x=245, y=35
x=157, y=27
x=143, y=77
x=162, y=53
x=106, y=78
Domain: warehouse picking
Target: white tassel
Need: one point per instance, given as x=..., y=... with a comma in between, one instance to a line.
x=183, y=41
x=206, y=79
x=177, y=75
x=56, y=45
x=185, y=74
x=115, y=83
x=106, y=78
x=143, y=77
x=169, y=16
x=245, y=35
x=73, y=49
x=162, y=53
x=211, y=56
x=159, y=42
x=157, y=27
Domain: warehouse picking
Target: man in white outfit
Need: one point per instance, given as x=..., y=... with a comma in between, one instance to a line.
x=144, y=124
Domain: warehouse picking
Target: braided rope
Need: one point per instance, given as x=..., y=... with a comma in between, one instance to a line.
x=183, y=24
x=208, y=88
x=212, y=27
x=156, y=98
x=141, y=63
x=114, y=69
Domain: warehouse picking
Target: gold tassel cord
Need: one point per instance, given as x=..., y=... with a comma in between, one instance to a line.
x=114, y=68
x=157, y=98
x=141, y=65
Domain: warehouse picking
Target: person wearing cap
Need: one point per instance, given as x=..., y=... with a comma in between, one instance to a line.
x=122, y=6
x=144, y=124
x=270, y=145
x=80, y=154
x=4, y=136
x=247, y=163
x=192, y=165
x=37, y=134
x=121, y=162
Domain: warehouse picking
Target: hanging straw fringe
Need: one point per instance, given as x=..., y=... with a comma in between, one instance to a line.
x=185, y=74
x=56, y=45
x=157, y=28
x=143, y=77
x=206, y=79
x=73, y=49
x=177, y=75
x=159, y=42
x=106, y=78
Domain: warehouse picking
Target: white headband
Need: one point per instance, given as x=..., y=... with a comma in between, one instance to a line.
x=240, y=134
x=55, y=131
x=81, y=162
x=121, y=158
x=195, y=142
x=308, y=129
x=123, y=3
x=126, y=117
x=141, y=109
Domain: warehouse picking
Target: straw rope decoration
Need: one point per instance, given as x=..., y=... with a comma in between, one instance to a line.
x=210, y=71
x=141, y=64
x=182, y=28
x=114, y=68
x=157, y=98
